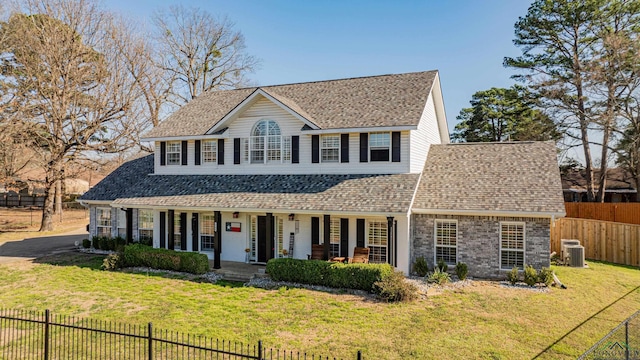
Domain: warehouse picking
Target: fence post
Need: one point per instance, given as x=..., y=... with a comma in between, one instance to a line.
x=359, y=354
x=626, y=340
x=259, y=349
x=150, y=340
x=46, y=334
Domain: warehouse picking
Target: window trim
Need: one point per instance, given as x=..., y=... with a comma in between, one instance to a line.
x=387, y=147
x=122, y=215
x=213, y=151
x=98, y=224
x=334, y=237
x=140, y=222
x=203, y=233
x=177, y=240
x=435, y=240
x=266, y=142
x=179, y=152
x=384, y=227
x=524, y=243
x=335, y=148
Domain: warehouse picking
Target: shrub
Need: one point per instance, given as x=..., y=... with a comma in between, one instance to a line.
x=112, y=262
x=545, y=276
x=163, y=259
x=145, y=240
x=442, y=266
x=86, y=243
x=318, y=272
x=98, y=242
x=119, y=243
x=512, y=276
x=461, y=270
x=530, y=275
x=438, y=276
x=394, y=288
x=420, y=267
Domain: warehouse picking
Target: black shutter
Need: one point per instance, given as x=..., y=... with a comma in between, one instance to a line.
x=183, y=231
x=195, y=227
x=171, y=230
x=315, y=149
x=295, y=149
x=315, y=230
x=197, y=151
x=360, y=233
x=129, y=228
x=364, y=147
x=344, y=237
x=185, y=159
x=236, y=151
x=395, y=146
x=163, y=153
x=344, y=148
x=220, y=151
x=163, y=229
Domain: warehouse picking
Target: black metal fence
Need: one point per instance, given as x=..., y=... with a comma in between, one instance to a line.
x=622, y=343
x=42, y=335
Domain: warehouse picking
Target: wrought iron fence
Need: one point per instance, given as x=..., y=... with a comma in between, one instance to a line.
x=623, y=342
x=42, y=335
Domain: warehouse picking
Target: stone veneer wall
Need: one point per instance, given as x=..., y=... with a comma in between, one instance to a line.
x=479, y=242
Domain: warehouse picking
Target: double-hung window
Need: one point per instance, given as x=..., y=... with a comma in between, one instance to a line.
x=377, y=241
x=330, y=148
x=103, y=222
x=177, y=232
x=145, y=226
x=209, y=151
x=267, y=145
x=207, y=231
x=122, y=223
x=446, y=241
x=511, y=245
x=334, y=238
x=379, y=146
x=173, y=152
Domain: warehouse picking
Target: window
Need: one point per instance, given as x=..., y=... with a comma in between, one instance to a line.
x=254, y=238
x=330, y=148
x=145, y=226
x=177, y=232
x=207, y=232
x=377, y=241
x=173, y=153
x=511, y=245
x=280, y=236
x=446, y=241
x=103, y=222
x=122, y=223
x=266, y=144
x=379, y=145
x=209, y=151
x=334, y=238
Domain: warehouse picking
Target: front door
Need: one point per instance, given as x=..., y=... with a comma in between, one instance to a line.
x=265, y=247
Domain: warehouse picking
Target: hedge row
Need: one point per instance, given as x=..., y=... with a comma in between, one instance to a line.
x=108, y=243
x=163, y=259
x=337, y=275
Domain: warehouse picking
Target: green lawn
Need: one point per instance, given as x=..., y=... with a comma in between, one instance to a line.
x=479, y=321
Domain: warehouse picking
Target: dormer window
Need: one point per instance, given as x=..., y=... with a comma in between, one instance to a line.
x=267, y=145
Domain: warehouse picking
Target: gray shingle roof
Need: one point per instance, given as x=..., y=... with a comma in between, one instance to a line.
x=132, y=184
x=521, y=177
x=386, y=100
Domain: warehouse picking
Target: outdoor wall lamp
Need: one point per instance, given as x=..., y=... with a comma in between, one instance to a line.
x=292, y=217
x=236, y=214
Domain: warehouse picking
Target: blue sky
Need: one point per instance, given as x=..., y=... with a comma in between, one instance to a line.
x=302, y=41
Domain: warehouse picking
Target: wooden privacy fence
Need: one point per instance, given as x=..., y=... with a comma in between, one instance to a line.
x=602, y=240
x=619, y=212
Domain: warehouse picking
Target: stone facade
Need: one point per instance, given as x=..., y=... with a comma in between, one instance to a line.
x=478, y=242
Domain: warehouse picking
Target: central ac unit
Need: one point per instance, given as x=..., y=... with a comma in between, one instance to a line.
x=563, y=245
x=575, y=255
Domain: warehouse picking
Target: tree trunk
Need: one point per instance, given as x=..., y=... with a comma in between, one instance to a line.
x=47, y=208
x=58, y=198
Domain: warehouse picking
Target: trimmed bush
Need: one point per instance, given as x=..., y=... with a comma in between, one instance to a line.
x=438, y=276
x=86, y=243
x=442, y=266
x=145, y=240
x=318, y=272
x=394, y=288
x=530, y=275
x=119, y=243
x=545, y=276
x=112, y=262
x=163, y=259
x=512, y=276
x=462, y=270
x=420, y=267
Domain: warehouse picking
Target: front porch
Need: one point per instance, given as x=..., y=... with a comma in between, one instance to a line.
x=237, y=271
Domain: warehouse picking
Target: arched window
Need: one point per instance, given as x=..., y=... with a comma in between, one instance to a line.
x=268, y=144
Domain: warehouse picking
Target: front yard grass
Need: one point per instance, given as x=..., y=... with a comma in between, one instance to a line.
x=483, y=320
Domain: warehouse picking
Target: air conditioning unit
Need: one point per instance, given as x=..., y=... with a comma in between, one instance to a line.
x=575, y=255
x=563, y=244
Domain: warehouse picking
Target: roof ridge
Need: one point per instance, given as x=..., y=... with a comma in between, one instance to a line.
x=498, y=142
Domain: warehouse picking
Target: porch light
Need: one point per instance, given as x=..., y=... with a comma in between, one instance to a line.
x=236, y=214
x=292, y=217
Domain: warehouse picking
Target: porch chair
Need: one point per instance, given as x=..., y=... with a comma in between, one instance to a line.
x=317, y=252
x=360, y=255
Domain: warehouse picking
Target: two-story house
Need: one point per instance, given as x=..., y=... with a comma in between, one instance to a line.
x=262, y=172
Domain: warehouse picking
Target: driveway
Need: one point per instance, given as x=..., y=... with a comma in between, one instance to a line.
x=32, y=248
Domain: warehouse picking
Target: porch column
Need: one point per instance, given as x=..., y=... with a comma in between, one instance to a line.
x=390, y=244
x=326, y=236
x=217, y=240
x=269, y=235
x=129, y=221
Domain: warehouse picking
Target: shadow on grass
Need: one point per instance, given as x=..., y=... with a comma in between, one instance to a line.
x=81, y=260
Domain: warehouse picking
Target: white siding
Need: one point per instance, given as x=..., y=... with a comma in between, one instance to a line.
x=421, y=139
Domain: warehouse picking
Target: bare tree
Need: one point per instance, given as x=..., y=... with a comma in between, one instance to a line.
x=63, y=58
x=200, y=52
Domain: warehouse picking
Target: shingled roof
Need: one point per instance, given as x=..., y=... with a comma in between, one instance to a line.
x=133, y=184
x=491, y=177
x=386, y=100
